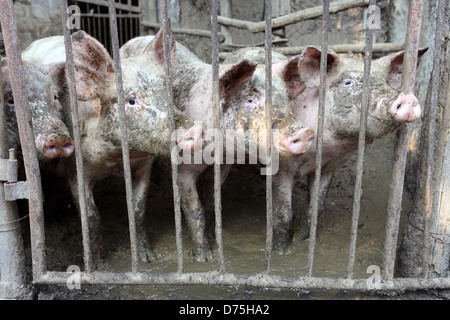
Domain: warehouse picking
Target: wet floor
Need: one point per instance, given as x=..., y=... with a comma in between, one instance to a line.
x=244, y=233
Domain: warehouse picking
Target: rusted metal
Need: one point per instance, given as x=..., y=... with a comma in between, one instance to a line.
x=361, y=149
x=319, y=136
x=70, y=76
x=171, y=109
x=269, y=137
x=124, y=137
x=18, y=85
x=217, y=126
x=398, y=173
x=396, y=190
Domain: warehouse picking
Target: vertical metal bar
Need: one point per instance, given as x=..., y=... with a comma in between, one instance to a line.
x=361, y=148
x=423, y=197
x=319, y=139
x=216, y=123
x=12, y=255
x=27, y=139
x=88, y=20
x=125, y=148
x=100, y=25
x=119, y=22
x=269, y=138
x=398, y=174
x=171, y=109
x=70, y=70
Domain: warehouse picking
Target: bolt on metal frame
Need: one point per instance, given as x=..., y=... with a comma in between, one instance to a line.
x=221, y=276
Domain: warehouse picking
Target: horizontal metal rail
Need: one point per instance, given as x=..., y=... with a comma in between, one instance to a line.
x=256, y=280
x=119, y=5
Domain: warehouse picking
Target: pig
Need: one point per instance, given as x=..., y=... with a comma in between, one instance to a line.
x=46, y=51
x=52, y=138
x=389, y=109
x=242, y=101
x=146, y=118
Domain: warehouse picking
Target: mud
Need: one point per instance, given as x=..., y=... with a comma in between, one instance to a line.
x=243, y=234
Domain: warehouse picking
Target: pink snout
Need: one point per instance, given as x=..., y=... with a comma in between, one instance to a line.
x=59, y=147
x=300, y=142
x=193, y=139
x=405, y=108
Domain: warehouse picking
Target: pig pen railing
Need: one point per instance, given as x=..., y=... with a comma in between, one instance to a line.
x=41, y=275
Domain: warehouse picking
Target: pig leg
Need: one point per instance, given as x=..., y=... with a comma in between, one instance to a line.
x=92, y=213
x=326, y=177
x=282, y=185
x=206, y=187
x=141, y=182
x=193, y=209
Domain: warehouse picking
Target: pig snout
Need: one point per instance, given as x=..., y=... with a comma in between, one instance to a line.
x=300, y=142
x=405, y=108
x=59, y=147
x=193, y=139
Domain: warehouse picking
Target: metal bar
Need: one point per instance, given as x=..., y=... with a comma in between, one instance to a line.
x=71, y=83
x=216, y=123
x=12, y=256
x=118, y=5
x=27, y=139
x=361, y=149
x=171, y=109
x=125, y=148
x=269, y=138
x=257, y=280
x=319, y=139
x=424, y=191
x=398, y=173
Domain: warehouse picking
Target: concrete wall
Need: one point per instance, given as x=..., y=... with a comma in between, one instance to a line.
x=37, y=19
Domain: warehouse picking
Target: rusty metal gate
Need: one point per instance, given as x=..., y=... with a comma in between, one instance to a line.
x=386, y=282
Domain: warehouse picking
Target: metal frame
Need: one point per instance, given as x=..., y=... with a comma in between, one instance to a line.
x=220, y=277
x=128, y=18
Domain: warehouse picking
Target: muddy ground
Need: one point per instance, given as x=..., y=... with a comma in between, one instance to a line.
x=243, y=235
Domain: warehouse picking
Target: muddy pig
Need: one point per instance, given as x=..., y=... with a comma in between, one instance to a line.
x=146, y=118
x=52, y=138
x=389, y=109
x=242, y=100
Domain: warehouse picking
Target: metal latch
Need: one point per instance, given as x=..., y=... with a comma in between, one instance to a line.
x=14, y=190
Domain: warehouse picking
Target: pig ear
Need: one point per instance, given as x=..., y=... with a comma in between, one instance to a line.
x=93, y=65
x=309, y=65
x=394, y=65
x=155, y=49
x=234, y=77
x=288, y=71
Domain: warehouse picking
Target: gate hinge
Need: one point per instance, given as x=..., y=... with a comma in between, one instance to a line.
x=14, y=190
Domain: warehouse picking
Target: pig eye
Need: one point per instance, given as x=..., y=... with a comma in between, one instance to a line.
x=133, y=102
x=10, y=100
x=349, y=82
